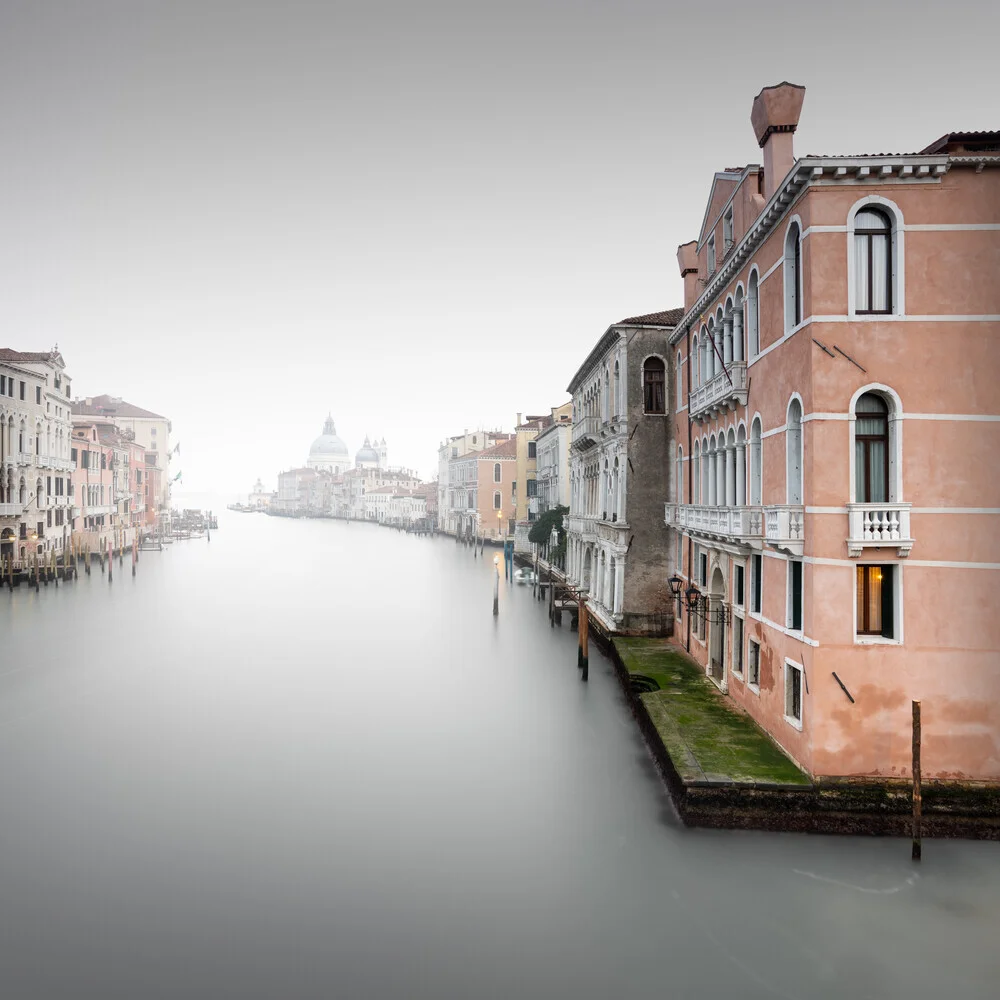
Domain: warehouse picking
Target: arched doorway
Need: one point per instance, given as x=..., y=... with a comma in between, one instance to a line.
x=7, y=542
x=717, y=638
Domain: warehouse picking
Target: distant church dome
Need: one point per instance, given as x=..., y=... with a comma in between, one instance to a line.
x=366, y=456
x=328, y=453
x=328, y=444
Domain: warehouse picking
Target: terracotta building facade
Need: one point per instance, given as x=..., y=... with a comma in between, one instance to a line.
x=834, y=507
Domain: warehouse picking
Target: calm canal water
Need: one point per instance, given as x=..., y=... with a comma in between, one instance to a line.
x=303, y=760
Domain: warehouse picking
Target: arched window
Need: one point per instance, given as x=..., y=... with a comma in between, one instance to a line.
x=615, y=491
x=706, y=465
x=679, y=490
x=618, y=390
x=496, y=472
x=872, y=262
x=680, y=381
x=496, y=499
x=607, y=395
x=755, y=463
x=653, y=382
x=871, y=450
x=753, y=317
x=793, y=277
x=694, y=379
x=793, y=452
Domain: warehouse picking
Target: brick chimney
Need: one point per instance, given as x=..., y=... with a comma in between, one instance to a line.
x=687, y=261
x=775, y=116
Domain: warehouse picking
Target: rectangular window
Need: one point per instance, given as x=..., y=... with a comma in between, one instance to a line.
x=48, y=486
x=753, y=663
x=703, y=568
x=38, y=394
x=711, y=256
x=3, y=385
x=72, y=454
x=727, y=230
x=737, y=645
x=795, y=595
x=756, y=583
x=48, y=518
x=876, y=598
x=532, y=449
x=496, y=501
x=738, y=587
x=793, y=694
x=532, y=487
x=104, y=460
x=22, y=390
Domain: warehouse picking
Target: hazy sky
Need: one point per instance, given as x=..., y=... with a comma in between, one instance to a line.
x=417, y=215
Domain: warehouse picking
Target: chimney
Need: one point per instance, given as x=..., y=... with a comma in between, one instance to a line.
x=687, y=261
x=775, y=116
x=518, y=424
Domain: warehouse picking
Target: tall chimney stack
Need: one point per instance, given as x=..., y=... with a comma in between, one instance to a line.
x=775, y=116
x=687, y=261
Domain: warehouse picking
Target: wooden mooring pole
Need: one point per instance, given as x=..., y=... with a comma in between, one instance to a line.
x=917, y=796
x=583, y=659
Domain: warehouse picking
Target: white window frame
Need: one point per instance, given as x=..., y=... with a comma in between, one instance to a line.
x=895, y=428
x=792, y=282
x=738, y=671
x=727, y=228
x=897, y=604
x=755, y=597
x=753, y=314
x=794, y=450
x=790, y=719
x=711, y=258
x=753, y=686
x=788, y=596
x=898, y=250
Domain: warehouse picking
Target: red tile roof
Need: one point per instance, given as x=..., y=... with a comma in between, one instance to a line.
x=111, y=406
x=505, y=449
x=9, y=354
x=669, y=317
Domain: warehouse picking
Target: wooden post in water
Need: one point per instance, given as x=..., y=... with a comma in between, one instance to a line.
x=36, y=572
x=110, y=562
x=496, y=591
x=917, y=795
x=583, y=630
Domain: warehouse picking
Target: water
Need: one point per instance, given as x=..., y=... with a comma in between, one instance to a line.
x=303, y=760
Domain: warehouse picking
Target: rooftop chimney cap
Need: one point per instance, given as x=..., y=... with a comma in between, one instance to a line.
x=776, y=109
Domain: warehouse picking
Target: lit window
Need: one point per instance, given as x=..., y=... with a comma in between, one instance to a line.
x=876, y=595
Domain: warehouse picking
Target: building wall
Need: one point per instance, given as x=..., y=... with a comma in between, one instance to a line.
x=491, y=526
x=933, y=361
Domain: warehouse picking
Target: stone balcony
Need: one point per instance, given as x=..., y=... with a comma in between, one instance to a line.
x=878, y=525
x=585, y=433
x=581, y=525
x=738, y=525
x=10, y=509
x=784, y=528
x=722, y=392
x=56, y=464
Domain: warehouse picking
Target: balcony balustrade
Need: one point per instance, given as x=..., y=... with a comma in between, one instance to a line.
x=740, y=525
x=585, y=432
x=10, y=509
x=878, y=525
x=723, y=392
x=784, y=528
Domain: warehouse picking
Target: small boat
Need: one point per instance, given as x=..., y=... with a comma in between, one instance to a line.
x=525, y=575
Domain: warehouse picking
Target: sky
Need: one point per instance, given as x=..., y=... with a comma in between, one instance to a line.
x=418, y=217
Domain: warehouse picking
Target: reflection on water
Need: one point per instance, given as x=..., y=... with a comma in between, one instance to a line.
x=304, y=760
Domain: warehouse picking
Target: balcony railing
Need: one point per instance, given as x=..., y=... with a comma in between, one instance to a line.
x=784, y=528
x=10, y=509
x=743, y=525
x=585, y=432
x=878, y=525
x=719, y=393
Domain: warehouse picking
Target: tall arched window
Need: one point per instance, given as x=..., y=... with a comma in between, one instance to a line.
x=694, y=379
x=756, y=464
x=793, y=277
x=793, y=452
x=607, y=395
x=496, y=499
x=707, y=458
x=653, y=383
x=615, y=491
x=753, y=317
x=872, y=262
x=618, y=390
x=696, y=474
x=871, y=450
x=680, y=381
x=679, y=489
x=496, y=472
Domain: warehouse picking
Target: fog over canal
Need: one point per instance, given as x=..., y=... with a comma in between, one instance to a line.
x=304, y=760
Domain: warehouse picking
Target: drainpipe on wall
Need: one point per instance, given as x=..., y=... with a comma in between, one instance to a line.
x=687, y=349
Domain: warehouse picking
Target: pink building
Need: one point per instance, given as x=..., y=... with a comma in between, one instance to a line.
x=834, y=499
x=94, y=507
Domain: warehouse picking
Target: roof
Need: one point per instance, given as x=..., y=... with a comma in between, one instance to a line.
x=505, y=449
x=28, y=357
x=112, y=406
x=668, y=317
x=980, y=141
